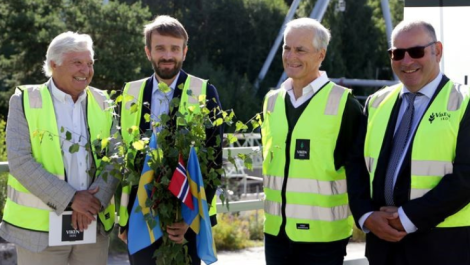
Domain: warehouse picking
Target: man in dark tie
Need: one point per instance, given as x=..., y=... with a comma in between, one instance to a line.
x=413, y=198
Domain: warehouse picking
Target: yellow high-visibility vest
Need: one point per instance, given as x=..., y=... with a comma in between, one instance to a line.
x=23, y=209
x=431, y=159
x=316, y=196
x=133, y=95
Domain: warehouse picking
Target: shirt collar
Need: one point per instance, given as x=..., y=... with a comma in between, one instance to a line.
x=172, y=86
x=314, y=86
x=63, y=97
x=428, y=90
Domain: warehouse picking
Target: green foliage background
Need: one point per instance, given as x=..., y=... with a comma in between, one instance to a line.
x=3, y=176
x=228, y=41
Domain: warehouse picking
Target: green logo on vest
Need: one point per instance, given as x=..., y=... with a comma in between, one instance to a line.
x=443, y=116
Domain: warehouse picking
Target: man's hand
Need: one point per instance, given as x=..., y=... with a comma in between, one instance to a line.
x=123, y=236
x=395, y=223
x=80, y=221
x=85, y=203
x=378, y=223
x=176, y=232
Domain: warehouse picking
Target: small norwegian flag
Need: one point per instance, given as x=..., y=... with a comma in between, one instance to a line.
x=179, y=184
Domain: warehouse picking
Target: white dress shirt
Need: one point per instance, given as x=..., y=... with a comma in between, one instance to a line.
x=71, y=117
x=421, y=103
x=308, y=91
x=161, y=101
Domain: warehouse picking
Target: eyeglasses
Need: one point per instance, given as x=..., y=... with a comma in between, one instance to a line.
x=414, y=52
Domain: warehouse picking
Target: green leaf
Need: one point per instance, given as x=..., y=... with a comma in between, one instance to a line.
x=239, y=126
x=164, y=118
x=74, y=148
x=62, y=129
x=205, y=111
x=134, y=107
x=118, y=99
x=201, y=99
x=68, y=136
x=128, y=98
x=174, y=152
x=254, y=124
x=162, y=86
x=104, y=143
x=175, y=102
x=248, y=162
x=138, y=145
x=147, y=117
x=132, y=129
x=218, y=122
x=231, y=138
x=113, y=92
x=181, y=121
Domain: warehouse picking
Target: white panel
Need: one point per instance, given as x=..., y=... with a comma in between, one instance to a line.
x=451, y=25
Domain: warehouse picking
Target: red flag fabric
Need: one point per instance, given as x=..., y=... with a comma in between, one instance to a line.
x=179, y=184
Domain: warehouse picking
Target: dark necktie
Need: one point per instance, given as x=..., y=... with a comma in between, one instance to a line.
x=399, y=143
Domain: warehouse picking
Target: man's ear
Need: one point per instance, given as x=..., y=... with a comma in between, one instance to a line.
x=147, y=52
x=322, y=54
x=438, y=51
x=53, y=65
x=185, y=50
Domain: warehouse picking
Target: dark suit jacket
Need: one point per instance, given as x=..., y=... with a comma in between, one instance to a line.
x=211, y=93
x=429, y=245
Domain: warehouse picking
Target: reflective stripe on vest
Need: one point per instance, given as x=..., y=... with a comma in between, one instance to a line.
x=26, y=199
x=430, y=159
x=316, y=194
x=134, y=93
x=306, y=185
x=123, y=213
x=308, y=212
x=40, y=115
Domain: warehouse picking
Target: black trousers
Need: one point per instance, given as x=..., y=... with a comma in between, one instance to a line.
x=280, y=250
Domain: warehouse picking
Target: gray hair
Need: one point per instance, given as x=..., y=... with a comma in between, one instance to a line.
x=64, y=43
x=321, y=36
x=407, y=25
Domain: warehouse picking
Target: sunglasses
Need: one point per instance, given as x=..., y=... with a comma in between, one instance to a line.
x=414, y=52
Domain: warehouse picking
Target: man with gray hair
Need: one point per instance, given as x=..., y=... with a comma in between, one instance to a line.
x=414, y=202
x=308, y=134
x=53, y=165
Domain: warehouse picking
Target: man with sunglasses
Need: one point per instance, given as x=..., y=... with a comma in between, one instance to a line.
x=414, y=202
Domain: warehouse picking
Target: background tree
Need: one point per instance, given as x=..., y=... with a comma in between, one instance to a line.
x=28, y=26
x=229, y=41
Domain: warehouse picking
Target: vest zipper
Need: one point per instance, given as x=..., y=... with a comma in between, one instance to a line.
x=284, y=183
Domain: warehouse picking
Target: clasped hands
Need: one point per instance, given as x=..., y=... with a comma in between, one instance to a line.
x=175, y=232
x=386, y=224
x=84, y=205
